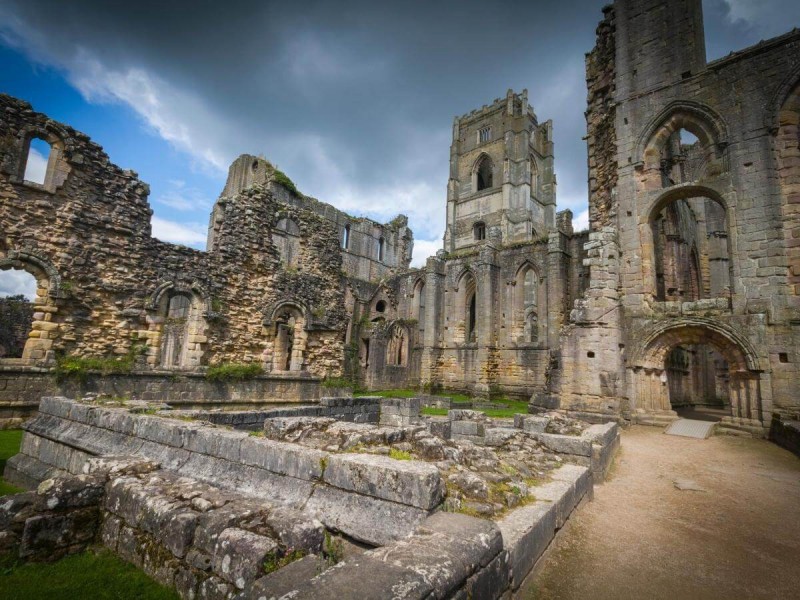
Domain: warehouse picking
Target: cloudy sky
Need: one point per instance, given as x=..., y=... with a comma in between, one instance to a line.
x=353, y=100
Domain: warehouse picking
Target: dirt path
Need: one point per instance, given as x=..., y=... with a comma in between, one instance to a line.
x=642, y=538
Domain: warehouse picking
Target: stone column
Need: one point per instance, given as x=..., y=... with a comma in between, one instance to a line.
x=434, y=301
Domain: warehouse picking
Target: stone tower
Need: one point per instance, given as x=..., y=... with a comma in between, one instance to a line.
x=502, y=187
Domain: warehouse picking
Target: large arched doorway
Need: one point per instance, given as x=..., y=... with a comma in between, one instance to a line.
x=697, y=365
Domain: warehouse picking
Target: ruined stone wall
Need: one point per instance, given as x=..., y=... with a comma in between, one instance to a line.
x=600, y=123
x=104, y=282
x=370, y=250
x=648, y=80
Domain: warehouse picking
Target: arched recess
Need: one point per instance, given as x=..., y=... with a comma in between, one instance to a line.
x=287, y=337
x=397, y=346
x=418, y=312
x=665, y=162
x=688, y=223
x=787, y=158
x=178, y=316
x=45, y=327
x=534, y=177
x=648, y=362
x=466, y=308
x=527, y=290
x=483, y=173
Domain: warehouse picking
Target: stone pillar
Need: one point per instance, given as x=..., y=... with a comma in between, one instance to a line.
x=556, y=302
x=434, y=306
x=487, y=282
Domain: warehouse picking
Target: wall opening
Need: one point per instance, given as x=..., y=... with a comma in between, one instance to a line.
x=484, y=174
x=37, y=160
x=17, y=295
x=289, y=340
x=346, y=237
x=683, y=159
x=698, y=377
x=397, y=348
x=479, y=231
x=381, y=245
x=419, y=309
x=691, y=250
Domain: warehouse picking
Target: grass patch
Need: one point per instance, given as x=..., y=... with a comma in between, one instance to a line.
x=275, y=562
x=10, y=440
x=337, y=382
x=233, y=372
x=399, y=454
x=432, y=411
x=95, y=574
x=283, y=179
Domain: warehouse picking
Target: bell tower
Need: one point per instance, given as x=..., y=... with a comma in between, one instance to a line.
x=502, y=186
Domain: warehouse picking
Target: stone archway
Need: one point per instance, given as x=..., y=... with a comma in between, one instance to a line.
x=45, y=328
x=649, y=388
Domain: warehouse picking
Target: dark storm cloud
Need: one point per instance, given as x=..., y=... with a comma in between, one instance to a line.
x=354, y=100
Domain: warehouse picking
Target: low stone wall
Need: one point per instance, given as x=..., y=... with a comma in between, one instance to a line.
x=786, y=433
x=595, y=447
x=21, y=388
x=203, y=509
x=61, y=517
x=365, y=409
x=373, y=499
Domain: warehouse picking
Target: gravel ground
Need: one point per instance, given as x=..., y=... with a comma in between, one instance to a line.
x=732, y=532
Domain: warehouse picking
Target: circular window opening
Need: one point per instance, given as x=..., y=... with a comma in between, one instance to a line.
x=380, y=306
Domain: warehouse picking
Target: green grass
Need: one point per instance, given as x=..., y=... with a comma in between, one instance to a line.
x=399, y=454
x=233, y=371
x=413, y=394
x=92, y=575
x=10, y=440
x=511, y=407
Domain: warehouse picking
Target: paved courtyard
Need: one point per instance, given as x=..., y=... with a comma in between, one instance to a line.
x=732, y=532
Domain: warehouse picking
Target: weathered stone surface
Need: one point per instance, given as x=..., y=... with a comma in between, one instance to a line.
x=239, y=555
x=364, y=518
x=406, y=482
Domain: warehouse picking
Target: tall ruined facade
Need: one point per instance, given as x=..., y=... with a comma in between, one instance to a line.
x=484, y=314
x=693, y=253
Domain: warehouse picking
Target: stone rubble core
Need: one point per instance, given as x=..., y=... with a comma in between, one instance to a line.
x=202, y=508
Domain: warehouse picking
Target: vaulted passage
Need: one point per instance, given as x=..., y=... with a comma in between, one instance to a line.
x=694, y=366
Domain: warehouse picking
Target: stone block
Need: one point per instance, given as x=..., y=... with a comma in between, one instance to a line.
x=283, y=458
x=491, y=581
x=44, y=534
x=468, y=536
x=462, y=414
x=364, y=518
x=471, y=428
x=566, y=444
x=239, y=556
x=348, y=580
x=527, y=531
x=405, y=482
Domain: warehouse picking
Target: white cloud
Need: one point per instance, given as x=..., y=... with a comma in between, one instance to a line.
x=14, y=282
x=423, y=249
x=189, y=234
x=36, y=167
x=183, y=198
x=767, y=18
x=581, y=221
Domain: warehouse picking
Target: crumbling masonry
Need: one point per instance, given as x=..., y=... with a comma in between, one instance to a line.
x=684, y=291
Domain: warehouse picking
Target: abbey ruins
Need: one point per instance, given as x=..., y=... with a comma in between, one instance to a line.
x=685, y=291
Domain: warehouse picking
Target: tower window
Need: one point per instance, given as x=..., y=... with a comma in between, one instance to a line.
x=483, y=173
x=381, y=245
x=346, y=237
x=479, y=231
x=484, y=135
